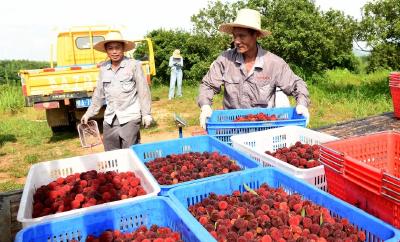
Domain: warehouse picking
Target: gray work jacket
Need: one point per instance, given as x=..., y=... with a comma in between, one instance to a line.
x=125, y=91
x=254, y=89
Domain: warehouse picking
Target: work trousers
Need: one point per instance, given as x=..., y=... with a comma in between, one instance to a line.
x=176, y=77
x=120, y=136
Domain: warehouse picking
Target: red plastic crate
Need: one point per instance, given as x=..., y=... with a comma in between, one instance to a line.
x=365, y=171
x=395, y=91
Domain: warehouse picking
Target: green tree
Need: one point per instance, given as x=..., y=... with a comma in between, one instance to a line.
x=207, y=20
x=305, y=37
x=380, y=28
x=198, y=51
x=9, y=69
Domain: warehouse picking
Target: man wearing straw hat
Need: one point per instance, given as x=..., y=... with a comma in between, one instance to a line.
x=176, y=64
x=123, y=86
x=249, y=73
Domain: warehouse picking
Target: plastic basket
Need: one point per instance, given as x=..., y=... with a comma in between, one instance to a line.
x=89, y=134
x=222, y=126
x=370, y=161
x=370, y=165
x=45, y=172
x=395, y=92
x=126, y=218
x=255, y=144
x=148, y=152
x=184, y=196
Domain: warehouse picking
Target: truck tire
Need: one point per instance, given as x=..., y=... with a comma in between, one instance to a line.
x=58, y=119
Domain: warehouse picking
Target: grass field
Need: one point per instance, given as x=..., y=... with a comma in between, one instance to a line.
x=25, y=138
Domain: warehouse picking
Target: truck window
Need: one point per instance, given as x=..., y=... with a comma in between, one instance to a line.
x=84, y=42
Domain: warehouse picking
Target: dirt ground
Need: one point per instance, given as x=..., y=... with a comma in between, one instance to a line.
x=18, y=155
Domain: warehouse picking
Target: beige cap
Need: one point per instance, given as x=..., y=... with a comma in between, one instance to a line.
x=176, y=53
x=246, y=18
x=114, y=37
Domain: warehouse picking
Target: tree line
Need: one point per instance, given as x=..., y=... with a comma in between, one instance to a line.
x=309, y=39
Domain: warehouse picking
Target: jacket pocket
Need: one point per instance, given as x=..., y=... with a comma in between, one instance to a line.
x=263, y=94
x=127, y=83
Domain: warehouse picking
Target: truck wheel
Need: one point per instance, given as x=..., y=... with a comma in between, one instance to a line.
x=58, y=119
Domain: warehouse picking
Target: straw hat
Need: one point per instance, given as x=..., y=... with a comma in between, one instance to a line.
x=176, y=54
x=114, y=37
x=246, y=18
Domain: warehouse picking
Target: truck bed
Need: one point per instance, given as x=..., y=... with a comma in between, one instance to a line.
x=9, y=201
x=371, y=124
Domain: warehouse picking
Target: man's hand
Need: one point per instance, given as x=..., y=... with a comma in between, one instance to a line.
x=85, y=119
x=300, y=109
x=147, y=121
x=206, y=112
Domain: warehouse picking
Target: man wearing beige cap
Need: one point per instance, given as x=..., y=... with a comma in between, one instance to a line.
x=250, y=74
x=123, y=86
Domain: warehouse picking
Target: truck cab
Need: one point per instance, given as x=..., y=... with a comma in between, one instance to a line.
x=64, y=91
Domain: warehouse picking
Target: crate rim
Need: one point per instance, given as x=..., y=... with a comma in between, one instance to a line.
x=167, y=200
x=24, y=198
x=235, y=138
x=200, y=137
x=256, y=110
x=396, y=232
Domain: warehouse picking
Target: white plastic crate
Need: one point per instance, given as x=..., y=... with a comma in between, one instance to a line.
x=255, y=144
x=45, y=172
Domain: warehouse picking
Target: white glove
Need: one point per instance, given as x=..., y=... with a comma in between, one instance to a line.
x=147, y=120
x=85, y=119
x=300, y=109
x=206, y=112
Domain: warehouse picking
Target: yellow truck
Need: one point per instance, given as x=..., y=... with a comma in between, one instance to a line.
x=65, y=91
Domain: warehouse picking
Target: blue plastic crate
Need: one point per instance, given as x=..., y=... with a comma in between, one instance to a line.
x=126, y=218
x=184, y=196
x=221, y=125
x=150, y=151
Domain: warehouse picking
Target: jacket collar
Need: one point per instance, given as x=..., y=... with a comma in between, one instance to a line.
x=259, y=63
x=123, y=63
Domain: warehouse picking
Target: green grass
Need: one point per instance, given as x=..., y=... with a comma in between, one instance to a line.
x=339, y=95
x=28, y=132
x=10, y=186
x=11, y=98
x=185, y=106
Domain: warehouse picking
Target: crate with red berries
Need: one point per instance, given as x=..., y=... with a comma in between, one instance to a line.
x=74, y=185
x=364, y=171
x=266, y=204
x=194, y=159
x=224, y=123
x=292, y=149
x=154, y=219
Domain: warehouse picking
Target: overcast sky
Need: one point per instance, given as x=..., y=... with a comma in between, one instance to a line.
x=29, y=27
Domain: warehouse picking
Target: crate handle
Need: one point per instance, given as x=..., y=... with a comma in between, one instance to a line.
x=392, y=177
x=391, y=197
x=327, y=157
x=338, y=153
x=331, y=167
x=391, y=190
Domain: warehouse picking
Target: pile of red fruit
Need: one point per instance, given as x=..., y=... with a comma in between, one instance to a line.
x=177, y=168
x=141, y=234
x=299, y=155
x=269, y=214
x=85, y=189
x=256, y=117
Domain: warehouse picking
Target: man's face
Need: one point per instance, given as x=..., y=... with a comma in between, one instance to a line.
x=115, y=51
x=244, y=39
